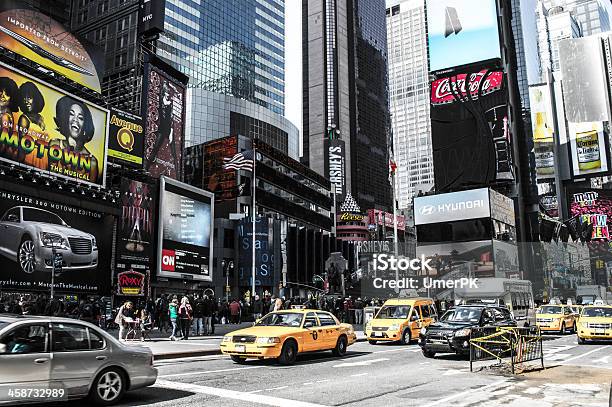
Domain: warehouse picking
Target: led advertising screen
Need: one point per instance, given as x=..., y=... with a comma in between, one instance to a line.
x=46, y=42
x=471, y=139
x=461, y=32
x=592, y=206
x=164, y=113
x=151, y=17
x=335, y=167
x=135, y=233
x=186, y=228
x=543, y=131
x=126, y=138
x=51, y=131
x=33, y=228
x=588, y=149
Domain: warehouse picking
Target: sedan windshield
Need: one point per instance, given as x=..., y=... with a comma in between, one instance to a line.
x=462, y=315
x=394, y=312
x=34, y=215
x=597, y=312
x=282, y=319
x=550, y=310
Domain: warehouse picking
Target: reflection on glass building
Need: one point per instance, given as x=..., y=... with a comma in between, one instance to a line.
x=344, y=48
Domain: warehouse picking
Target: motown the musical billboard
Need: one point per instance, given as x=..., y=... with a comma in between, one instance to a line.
x=51, y=131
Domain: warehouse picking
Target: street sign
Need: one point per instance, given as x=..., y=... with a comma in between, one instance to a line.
x=58, y=260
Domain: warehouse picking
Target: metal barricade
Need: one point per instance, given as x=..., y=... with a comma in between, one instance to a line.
x=510, y=345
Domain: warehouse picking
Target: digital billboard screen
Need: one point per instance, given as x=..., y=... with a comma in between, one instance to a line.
x=472, y=204
x=46, y=42
x=592, y=206
x=126, y=138
x=135, y=233
x=185, y=231
x=461, y=32
x=51, y=131
x=471, y=138
x=164, y=114
x=543, y=131
x=33, y=228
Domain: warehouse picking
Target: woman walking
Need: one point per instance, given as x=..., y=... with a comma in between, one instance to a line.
x=124, y=315
x=185, y=314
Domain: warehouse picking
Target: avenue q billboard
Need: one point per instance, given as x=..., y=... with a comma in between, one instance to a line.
x=51, y=131
x=461, y=32
x=46, y=42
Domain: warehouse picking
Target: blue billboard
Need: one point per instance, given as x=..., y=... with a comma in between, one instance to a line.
x=461, y=32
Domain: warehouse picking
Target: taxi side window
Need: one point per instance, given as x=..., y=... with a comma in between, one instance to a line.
x=425, y=310
x=416, y=313
x=311, y=319
x=434, y=313
x=326, y=319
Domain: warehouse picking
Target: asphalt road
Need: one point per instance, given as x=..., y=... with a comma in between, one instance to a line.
x=383, y=375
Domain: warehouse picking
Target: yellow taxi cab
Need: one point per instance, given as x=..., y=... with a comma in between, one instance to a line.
x=556, y=318
x=282, y=335
x=595, y=322
x=401, y=319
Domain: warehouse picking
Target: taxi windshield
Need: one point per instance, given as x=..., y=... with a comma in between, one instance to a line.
x=597, y=312
x=550, y=310
x=282, y=319
x=462, y=315
x=393, y=312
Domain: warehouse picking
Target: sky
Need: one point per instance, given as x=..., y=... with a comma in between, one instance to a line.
x=293, y=63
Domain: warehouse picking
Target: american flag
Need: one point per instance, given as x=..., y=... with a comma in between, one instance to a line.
x=241, y=161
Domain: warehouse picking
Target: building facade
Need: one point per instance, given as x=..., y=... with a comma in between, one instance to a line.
x=409, y=98
x=345, y=92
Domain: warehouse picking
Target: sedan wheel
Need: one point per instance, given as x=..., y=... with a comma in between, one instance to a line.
x=108, y=387
x=27, y=261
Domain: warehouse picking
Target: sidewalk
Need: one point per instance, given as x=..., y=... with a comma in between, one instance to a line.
x=164, y=348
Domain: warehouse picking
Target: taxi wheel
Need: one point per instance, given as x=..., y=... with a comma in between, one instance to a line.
x=288, y=353
x=581, y=341
x=372, y=342
x=405, y=337
x=341, y=345
x=238, y=359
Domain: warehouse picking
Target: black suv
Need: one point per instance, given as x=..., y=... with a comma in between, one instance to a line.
x=451, y=334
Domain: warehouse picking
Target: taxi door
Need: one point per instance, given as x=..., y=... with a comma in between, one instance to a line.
x=415, y=321
x=331, y=330
x=313, y=334
x=427, y=315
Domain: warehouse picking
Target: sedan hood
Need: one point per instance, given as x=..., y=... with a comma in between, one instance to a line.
x=61, y=230
x=440, y=325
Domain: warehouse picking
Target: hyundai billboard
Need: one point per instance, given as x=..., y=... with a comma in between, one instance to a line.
x=472, y=204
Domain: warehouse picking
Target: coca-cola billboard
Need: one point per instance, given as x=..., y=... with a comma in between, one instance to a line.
x=447, y=90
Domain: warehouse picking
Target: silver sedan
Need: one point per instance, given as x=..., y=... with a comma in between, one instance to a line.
x=76, y=359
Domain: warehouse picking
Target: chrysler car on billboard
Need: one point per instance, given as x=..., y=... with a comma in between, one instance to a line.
x=33, y=230
x=185, y=239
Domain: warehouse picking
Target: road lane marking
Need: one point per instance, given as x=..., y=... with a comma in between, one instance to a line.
x=359, y=374
x=234, y=395
x=603, y=360
x=397, y=350
x=276, y=388
x=308, y=383
x=322, y=381
x=557, y=349
x=363, y=363
x=584, y=354
x=463, y=393
x=211, y=371
x=556, y=356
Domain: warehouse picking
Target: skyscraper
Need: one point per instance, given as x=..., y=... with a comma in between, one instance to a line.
x=409, y=97
x=345, y=93
x=231, y=50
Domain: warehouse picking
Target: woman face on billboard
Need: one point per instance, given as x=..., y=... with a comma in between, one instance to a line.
x=74, y=121
x=8, y=95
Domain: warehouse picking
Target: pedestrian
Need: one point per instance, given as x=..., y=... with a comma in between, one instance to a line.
x=214, y=309
x=198, y=316
x=278, y=304
x=257, y=308
x=173, y=314
x=185, y=314
x=359, y=311
x=207, y=315
x=124, y=316
x=234, y=309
